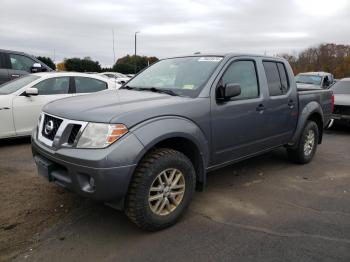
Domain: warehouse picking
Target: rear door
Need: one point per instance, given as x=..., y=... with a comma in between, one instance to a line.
x=20, y=65
x=281, y=107
x=4, y=72
x=26, y=110
x=86, y=85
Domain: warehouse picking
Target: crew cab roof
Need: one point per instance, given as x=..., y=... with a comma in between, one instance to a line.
x=232, y=54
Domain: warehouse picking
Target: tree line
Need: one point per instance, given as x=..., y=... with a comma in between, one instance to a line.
x=330, y=58
x=128, y=64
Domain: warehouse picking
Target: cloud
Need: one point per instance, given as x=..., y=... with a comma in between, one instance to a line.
x=170, y=27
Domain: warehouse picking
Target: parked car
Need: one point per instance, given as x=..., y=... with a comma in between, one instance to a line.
x=15, y=64
x=22, y=99
x=148, y=148
x=118, y=77
x=341, y=90
x=314, y=80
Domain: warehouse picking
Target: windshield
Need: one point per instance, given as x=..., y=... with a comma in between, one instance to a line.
x=308, y=79
x=341, y=87
x=16, y=84
x=184, y=76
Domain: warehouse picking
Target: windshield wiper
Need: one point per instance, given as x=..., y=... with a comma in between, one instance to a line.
x=130, y=88
x=160, y=90
x=151, y=89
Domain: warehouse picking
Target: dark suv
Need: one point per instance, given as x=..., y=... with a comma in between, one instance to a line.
x=14, y=64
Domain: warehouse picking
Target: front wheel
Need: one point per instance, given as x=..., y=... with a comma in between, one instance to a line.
x=161, y=189
x=307, y=145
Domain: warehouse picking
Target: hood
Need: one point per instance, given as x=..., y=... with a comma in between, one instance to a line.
x=307, y=86
x=122, y=106
x=342, y=99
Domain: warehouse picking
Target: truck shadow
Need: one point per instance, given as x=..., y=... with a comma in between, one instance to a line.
x=113, y=225
x=14, y=141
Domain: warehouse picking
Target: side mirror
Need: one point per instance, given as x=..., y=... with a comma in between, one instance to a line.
x=36, y=68
x=31, y=91
x=228, y=91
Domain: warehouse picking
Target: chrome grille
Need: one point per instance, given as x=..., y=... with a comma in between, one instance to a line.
x=55, y=124
x=62, y=132
x=73, y=134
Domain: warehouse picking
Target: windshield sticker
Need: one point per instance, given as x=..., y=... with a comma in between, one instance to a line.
x=188, y=86
x=210, y=59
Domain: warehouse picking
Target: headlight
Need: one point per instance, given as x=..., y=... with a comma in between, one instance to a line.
x=96, y=135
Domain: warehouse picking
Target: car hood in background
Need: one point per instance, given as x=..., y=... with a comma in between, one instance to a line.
x=342, y=99
x=124, y=106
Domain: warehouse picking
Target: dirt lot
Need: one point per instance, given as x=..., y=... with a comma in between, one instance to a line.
x=264, y=209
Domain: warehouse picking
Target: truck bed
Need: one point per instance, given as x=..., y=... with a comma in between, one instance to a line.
x=320, y=96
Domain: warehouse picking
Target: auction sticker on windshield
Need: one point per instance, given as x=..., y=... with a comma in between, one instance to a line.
x=210, y=59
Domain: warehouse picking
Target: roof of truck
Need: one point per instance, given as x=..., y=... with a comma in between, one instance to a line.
x=12, y=51
x=230, y=54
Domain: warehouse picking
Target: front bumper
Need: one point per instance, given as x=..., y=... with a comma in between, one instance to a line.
x=100, y=174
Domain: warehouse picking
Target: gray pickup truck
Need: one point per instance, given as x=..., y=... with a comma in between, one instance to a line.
x=147, y=147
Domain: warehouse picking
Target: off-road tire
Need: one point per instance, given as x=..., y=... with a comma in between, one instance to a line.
x=298, y=155
x=137, y=207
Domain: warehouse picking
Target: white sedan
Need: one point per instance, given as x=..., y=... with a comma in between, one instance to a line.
x=21, y=100
x=118, y=77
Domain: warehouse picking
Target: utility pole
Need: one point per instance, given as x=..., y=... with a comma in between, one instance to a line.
x=113, y=48
x=135, y=51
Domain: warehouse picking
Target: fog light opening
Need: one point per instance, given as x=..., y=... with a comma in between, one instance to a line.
x=92, y=183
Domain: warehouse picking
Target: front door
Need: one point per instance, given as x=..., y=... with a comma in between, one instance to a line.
x=239, y=125
x=26, y=109
x=20, y=65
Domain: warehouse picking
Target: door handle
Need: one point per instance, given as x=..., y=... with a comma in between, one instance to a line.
x=15, y=75
x=260, y=108
x=291, y=104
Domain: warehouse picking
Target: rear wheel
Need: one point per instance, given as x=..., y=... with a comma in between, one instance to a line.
x=307, y=145
x=161, y=189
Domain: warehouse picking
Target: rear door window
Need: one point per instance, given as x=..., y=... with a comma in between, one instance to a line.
x=273, y=78
x=89, y=85
x=277, y=78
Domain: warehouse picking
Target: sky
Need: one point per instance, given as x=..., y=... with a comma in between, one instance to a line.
x=78, y=28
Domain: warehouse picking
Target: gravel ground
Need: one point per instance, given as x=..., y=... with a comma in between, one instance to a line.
x=263, y=209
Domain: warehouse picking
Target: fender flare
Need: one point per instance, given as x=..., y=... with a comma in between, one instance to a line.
x=310, y=109
x=156, y=130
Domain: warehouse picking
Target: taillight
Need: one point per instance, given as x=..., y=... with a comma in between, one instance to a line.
x=332, y=103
